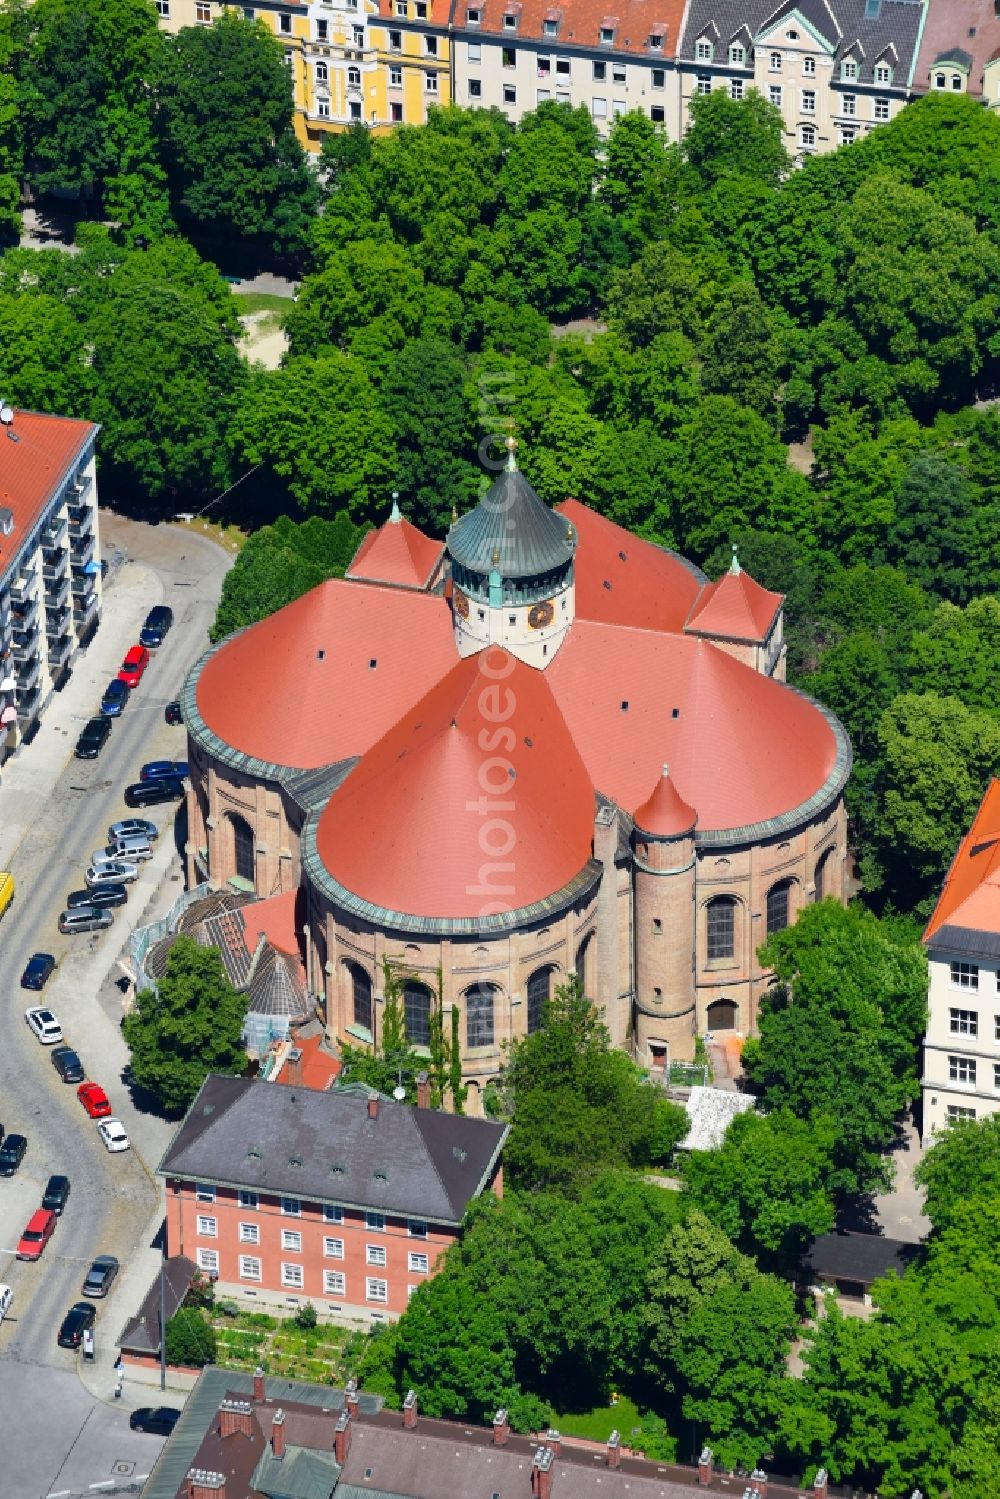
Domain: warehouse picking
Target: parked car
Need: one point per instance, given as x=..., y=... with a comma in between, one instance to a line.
x=135, y=663
x=84, y=919
x=76, y=1321
x=101, y=893
x=56, y=1194
x=153, y=793
x=172, y=713
x=112, y=1132
x=12, y=1154
x=155, y=770
x=115, y=871
x=116, y=695
x=93, y=738
x=38, y=1231
x=94, y=1100
x=133, y=850
x=44, y=1024
x=38, y=970
x=100, y=1275
x=159, y=1420
x=68, y=1065
x=158, y=622
x=133, y=827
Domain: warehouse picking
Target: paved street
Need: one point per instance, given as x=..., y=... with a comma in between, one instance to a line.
x=53, y=811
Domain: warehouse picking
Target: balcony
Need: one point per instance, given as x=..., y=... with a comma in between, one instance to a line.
x=24, y=586
x=24, y=615
x=59, y=651
x=57, y=621
x=81, y=521
x=80, y=486
x=85, y=611
x=82, y=549
x=54, y=566
x=27, y=705
x=54, y=533
x=27, y=674
x=56, y=593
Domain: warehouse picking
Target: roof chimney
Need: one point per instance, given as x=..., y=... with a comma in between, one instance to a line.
x=553, y=1440
x=501, y=1427
x=373, y=1108
x=203, y=1484
x=614, y=1450
x=258, y=1385
x=278, y=1434
x=351, y=1400
x=293, y=1066
x=410, y=1410
x=705, y=1468
x=423, y=1091
x=342, y=1437
x=541, y=1472
x=235, y=1416
x=758, y=1484
x=820, y=1484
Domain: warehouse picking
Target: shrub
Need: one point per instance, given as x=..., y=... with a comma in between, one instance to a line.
x=306, y=1317
x=190, y=1339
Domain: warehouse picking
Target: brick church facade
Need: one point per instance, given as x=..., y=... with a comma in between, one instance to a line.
x=543, y=746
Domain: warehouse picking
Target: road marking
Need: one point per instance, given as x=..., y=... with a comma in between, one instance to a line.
x=61, y=1494
x=108, y=1483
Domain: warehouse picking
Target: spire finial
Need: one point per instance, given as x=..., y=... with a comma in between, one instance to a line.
x=454, y=514
x=511, y=446
x=394, y=513
x=734, y=566
x=666, y=770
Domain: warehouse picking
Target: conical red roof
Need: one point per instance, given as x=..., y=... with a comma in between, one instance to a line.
x=734, y=608
x=476, y=802
x=665, y=813
x=396, y=553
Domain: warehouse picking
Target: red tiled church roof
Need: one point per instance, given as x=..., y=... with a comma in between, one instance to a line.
x=326, y=676
x=623, y=580
x=665, y=813
x=419, y=823
x=279, y=918
x=970, y=896
x=397, y=553
x=734, y=608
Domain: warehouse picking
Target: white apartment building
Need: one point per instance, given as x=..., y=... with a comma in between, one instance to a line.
x=50, y=570
x=962, y=1044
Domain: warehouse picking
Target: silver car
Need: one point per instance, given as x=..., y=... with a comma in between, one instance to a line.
x=133, y=827
x=134, y=850
x=113, y=869
x=85, y=919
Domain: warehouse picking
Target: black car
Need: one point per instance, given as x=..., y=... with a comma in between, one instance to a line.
x=93, y=739
x=158, y=622
x=172, y=713
x=12, y=1154
x=151, y=793
x=67, y=1064
x=74, y=1324
x=160, y=1421
x=38, y=970
x=100, y=1275
x=56, y=1194
x=107, y=893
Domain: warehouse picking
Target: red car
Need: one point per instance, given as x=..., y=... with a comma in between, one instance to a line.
x=94, y=1100
x=134, y=665
x=41, y=1226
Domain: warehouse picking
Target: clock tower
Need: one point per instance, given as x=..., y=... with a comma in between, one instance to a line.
x=512, y=571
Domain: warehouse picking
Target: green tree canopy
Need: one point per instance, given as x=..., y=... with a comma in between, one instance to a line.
x=729, y=137
x=281, y=562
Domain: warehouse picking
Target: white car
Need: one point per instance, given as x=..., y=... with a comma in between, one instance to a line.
x=44, y=1024
x=111, y=869
x=133, y=850
x=112, y=1132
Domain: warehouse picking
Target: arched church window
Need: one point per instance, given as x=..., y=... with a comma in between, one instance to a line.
x=479, y=1018
x=361, y=987
x=539, y=994
x=417, y=1013
x=721, y=927
x=244, y=864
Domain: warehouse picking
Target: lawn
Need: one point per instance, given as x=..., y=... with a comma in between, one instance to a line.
x=280, y=1347
x=260, y=301
x=597, y=1425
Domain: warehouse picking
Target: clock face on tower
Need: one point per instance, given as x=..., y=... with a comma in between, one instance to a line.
x=541, y=615
x=461, y=603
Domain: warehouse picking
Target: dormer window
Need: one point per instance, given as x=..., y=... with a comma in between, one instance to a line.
x=656, y=41
x=883, y=73
x=509, y=21
x=849, y=69
x=792, y=36
x=737, y=55
x=607, y=35
x=550, y=28
x=704, y=51
x=472, y=17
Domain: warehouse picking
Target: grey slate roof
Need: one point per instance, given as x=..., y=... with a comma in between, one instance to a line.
x=300, y=1474
x=141, y=1334
x=513, y=531
x=841, y=22
x=860, y=1257
x=322, y=1147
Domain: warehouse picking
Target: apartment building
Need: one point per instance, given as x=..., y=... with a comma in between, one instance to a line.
x=835, y=68
x=50, y=572
x=345, y=1199
x=960, y=50
x=962, y=1043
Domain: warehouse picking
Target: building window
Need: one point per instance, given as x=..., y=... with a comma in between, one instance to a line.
x=774, y=95
x=599, y=108
x=291, y=1240
x=819, y=877
x=721, y=919
x=323, y=108
x=361, y=986
x=376, y=1290
x=420, y=10
x=291, y=1275
x=243, y=854
x=249, y=1200
x=208, y=1260
x=285, y=25
x=963, y=1022
x=375, y=1254
x=203, y=1192
x=562, y=67
x=704, y=50
x=703, y=84
x=939, y=80
x=962, y=1070
x=774, y=63
x=808, y=101
x=358, y=33
x=248, y=12
x=656, y=114
x=658, y=77
x=848, y=70
x=322, y=72
x=163, y=9
x=420, y=1264
x=508, y=57
x=472, y=17
x=954, y=1112
x=964, y=976
x=550, y=28
x=322, y=31
x=539, y=991
x=600, y=71
x=956, y=81
x=848, y=104
x=848, y=134
x=417, y=1228
x=332, y=1214
x=807, y=136
x=617, y=73
x=475, y=88
x=778, y=900
x=417, y=1014
x=607, y=36
x=475, y=52
x=375, y=1222
x=334, y=1283
x=737, y=55
x=479, y=1015
x=509, y=22
x=203, y=13
x=996, y=1077
x=431, y=46
x=291, y=1207
x=249, y=1233
x=333, y=1249
x=430, y=83
x=401, y=7
x=881, y=110
x=249, y=1267
x=208, y=1228
x=882, y=74
x=736, y=88
x=354, y=78
x=354, y=109
x=544, y=68
x=395, y=41
x=656, y=41
x=809, y=67
x=395, y=78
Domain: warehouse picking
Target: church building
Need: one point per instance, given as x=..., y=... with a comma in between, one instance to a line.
x=543, y=746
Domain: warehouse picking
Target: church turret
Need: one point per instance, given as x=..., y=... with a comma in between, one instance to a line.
x=663, y=850
x=512, y=571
